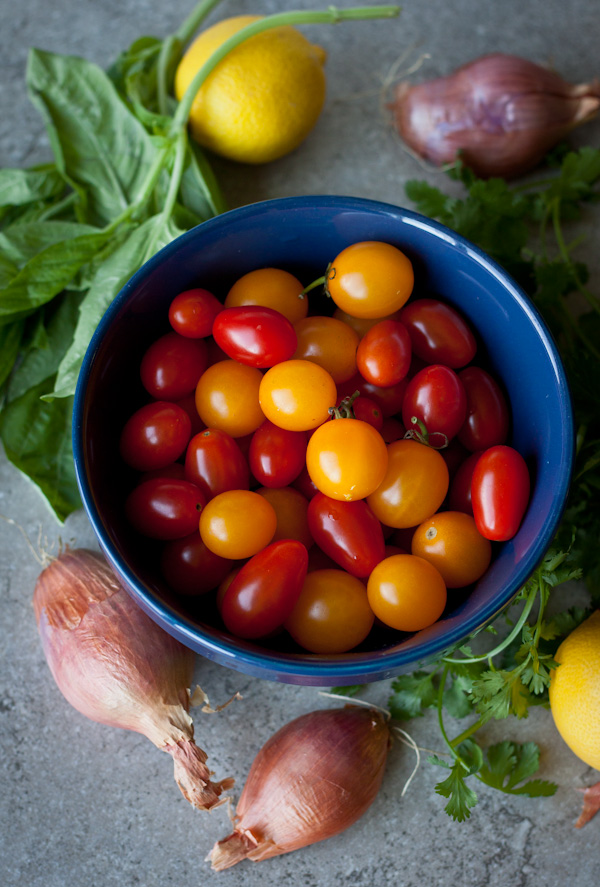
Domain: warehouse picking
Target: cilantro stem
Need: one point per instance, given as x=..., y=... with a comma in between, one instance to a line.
x=297, y=17
x=440, y=713
x=508, y=639
x=468, y=732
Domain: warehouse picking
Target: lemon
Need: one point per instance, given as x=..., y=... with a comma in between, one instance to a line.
x=575, y=691
x=262, y=99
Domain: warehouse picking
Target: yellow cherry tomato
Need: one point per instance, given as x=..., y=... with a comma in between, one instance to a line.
x=406, y=592
x=237, y=524
x=227, y=398
x=291, y=508
x=370, y=279
x=451, y=542
x=297, y=395
x=330, y=343
x=346, y=459
x=271, y=288
x=414, y=486
x=332, y=614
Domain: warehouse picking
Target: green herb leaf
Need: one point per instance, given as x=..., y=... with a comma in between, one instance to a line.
x=508, y=764
x=412, y=695
x=19, y=187
x=461, y=797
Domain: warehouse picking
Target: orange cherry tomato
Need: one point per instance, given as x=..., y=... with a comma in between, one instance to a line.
x=414, y=486
x=297, y=395
x=370, y=279
x=346, y=459
x=451, y=542
x=291, y=508
x=227, y=398
x=406, y=592
x=271, y=288
x=237, y=524
x=330, y=343
x=332, y=614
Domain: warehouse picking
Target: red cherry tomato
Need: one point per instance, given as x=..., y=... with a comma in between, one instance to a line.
x=383, y=355
x=436, y=397
x=154, y=436
x=348, y=532
x=190, y=568
x=499, y=492
x=188, y=403
x=366, y=409
x=172, y=365
x=487, y=419
x=165, y=508
x=264, y=592
x=255, y=335
x=276, y=455
x=215, y=463
x=389, y=400
x=192, y=313
x=439, y=334
x=304, y=483
x=459, y=494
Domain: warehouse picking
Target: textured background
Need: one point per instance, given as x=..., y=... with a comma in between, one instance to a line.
x=87, y=805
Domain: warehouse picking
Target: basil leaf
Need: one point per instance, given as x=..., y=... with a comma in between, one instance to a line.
x=200, y=189
x=21, y=242
x=37, y=440
x=97, y=141
x=10, y=341
x=111, y=276
x=21, y=186
x=47, y=274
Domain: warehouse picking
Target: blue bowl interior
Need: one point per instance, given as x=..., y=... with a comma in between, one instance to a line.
x=302, y=235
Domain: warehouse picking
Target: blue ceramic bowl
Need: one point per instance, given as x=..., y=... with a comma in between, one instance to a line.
x=303, y=235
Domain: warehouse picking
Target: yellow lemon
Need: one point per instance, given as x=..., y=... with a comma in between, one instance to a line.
x=575, y=691
x=262, y=99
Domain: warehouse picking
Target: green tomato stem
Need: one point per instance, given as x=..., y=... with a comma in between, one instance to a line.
x=298, y=17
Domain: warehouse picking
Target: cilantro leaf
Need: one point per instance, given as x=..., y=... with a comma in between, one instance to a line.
x=509, y=764
x=412, y=695
x=461, y=797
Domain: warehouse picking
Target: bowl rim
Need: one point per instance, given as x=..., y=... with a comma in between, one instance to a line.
x=271, y=664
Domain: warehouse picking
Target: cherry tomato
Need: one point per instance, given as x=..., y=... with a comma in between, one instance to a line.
x=370, y=279
x=452, y=543
x=362, y=325
x=486, y=424
x=499, y=492
x=297, y=395
x=188, y=403
x=164, y=508
x=291, y=510
x=271, y=288
x=237, y=524
x=154, y=436
x=414, y=486
x=227, y=398
x=406, y=592
x=276, y=455
x=439, y=334
x=389, y=400
x=332, y=614
x=346, y=459
x=367, y=410
x=172, y=365
x=254, y=335
x=330, y=343
x=215, y=463
x=264, y=592
x=348, y=532
x=304, y=484
x=192, y=313
x=392, y=429
x=190, y=568
x=383, y=356
x=459, y=495
x=437, y=398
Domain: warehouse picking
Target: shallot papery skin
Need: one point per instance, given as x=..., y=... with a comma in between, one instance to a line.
x=311, y=780
x=116, y=666
x=502, y=112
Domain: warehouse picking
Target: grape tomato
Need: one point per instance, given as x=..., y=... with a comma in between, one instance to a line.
x=255, y=335
x=348, y=532
x=438, y=333
x=215, y=463
x=154, y=436
x=436, y=397
x=500, y=490
x=330, y=343
x=172, y=365
x=165, y=508
x=276, y=455
x=487, y=421
x=192, y=313
x=384, y=354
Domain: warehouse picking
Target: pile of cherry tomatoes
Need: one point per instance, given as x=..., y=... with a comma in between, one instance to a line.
x=319, y=473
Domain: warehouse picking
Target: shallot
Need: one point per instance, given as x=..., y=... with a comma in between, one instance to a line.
x=311, y=780
x=116, y=666
x=501, y=112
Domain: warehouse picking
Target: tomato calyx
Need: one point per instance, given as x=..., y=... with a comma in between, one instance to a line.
x=344, y=410
x=419, y=433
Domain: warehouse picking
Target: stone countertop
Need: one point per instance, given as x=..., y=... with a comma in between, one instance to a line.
x=92, y=806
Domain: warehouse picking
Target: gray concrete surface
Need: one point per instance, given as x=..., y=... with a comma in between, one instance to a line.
x=86, y=805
